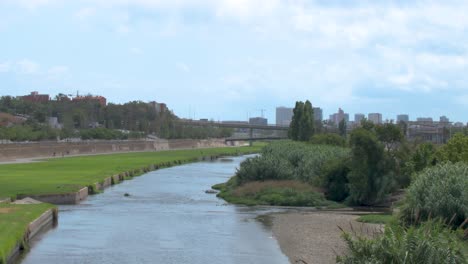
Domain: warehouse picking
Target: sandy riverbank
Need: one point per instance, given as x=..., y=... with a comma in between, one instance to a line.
x=314, y=237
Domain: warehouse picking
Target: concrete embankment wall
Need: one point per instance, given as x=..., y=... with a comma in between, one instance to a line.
x=13, y=151
x=66, y=198
x=41, y=224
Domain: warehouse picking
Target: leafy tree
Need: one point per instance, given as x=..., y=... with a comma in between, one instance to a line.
x=390, y=135
x=302, y=124
x=369, y=179
x=367, y=125
x=455, y=150
x=424, y=156
x=294, y=127
x=342, y=127
x=306, y=125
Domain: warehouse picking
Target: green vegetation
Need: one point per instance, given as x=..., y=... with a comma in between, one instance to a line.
x=328, y=139
x=429, y=243
x=283, y=175
x=273, y=192
x=288, y=160
x=438, y=192
x=377, y=219
x=369, y=177
x=302, y=123
x=79, y=119
x=14, y=220
x=66, y=175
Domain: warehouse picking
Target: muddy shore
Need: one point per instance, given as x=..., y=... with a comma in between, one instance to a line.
x=315, y=237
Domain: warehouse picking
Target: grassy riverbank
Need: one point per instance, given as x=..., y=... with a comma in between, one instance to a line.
x=14, y=221
x=65, y=175
x=282, y=193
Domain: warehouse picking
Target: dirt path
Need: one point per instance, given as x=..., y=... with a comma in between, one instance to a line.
x=314, y=237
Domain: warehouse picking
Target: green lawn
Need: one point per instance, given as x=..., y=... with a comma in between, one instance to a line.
x=14, y=220
x=376, y=218
x=64, y=175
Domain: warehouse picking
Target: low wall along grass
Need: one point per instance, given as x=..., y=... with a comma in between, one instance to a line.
x=14, y=221
x=66, y=175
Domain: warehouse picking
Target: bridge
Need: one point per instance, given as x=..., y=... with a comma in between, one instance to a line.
x=250, y=127
x=232, y=125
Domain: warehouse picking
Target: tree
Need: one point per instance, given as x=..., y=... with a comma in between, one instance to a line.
x=390, y=135
x=302, y=123
x=293, y=132
x=342, y=127
x=369, y=181
x=306, y=126
x=455, y=150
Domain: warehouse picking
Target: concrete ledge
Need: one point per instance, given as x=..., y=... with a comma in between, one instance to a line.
x=5, y=200
x=66, y=198
x=43, y=223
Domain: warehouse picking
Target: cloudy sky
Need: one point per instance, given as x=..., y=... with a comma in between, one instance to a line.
x=227, y=59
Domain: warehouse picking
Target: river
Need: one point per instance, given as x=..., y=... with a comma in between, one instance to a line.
x=168, y=218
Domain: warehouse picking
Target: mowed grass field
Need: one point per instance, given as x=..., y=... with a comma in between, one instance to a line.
x=14, y=221
x=65, y=175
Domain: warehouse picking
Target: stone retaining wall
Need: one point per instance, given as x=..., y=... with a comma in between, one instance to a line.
x=41, y=224
x=66, y=198
x=15, y=151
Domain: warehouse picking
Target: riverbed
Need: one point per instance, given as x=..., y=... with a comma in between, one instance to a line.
x=167, y=218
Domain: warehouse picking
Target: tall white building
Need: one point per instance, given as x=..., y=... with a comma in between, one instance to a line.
x=283, y=116
x=318, y=114
x=358, y=118
x=402, y=118
x=375, y=118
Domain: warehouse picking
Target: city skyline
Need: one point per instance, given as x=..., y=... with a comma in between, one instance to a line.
x=361, y=56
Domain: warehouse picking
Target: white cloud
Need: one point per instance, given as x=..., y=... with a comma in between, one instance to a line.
x=136, y=51
x=5, y=66
x=85, y=13
x=26, y=66
x=183, y=67
x=57, y=72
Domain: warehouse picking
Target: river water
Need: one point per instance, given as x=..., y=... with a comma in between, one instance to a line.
x=168, y=218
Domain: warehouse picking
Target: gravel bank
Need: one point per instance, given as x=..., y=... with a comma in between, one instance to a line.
x=314, y=237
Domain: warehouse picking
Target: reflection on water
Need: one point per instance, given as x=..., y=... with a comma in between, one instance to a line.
x=168, y=218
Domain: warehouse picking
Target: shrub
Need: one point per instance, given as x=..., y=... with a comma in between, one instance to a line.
x=428, y=243
x=289, y=161
x=336, y=181
x=328, y=139
x=438, y=192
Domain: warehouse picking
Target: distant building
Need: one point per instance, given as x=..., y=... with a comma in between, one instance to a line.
x=283, y=116
x=261, y=121
x=53, y=123
x=375, y=118
x=91, y=98
x=424, y=119
x=318, y=114
x=35, y=97
x=338, y=117
x=159, y=107
x=358, y=118
x=402, y=118
x=444, y=119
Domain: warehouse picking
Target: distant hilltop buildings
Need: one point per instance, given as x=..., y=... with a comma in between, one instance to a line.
x=35, y=97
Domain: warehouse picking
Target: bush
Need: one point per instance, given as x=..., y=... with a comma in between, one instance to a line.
x=335, y=180
x=428, y=243
x=328, y=139
x=438, y=192
x=289, y=161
